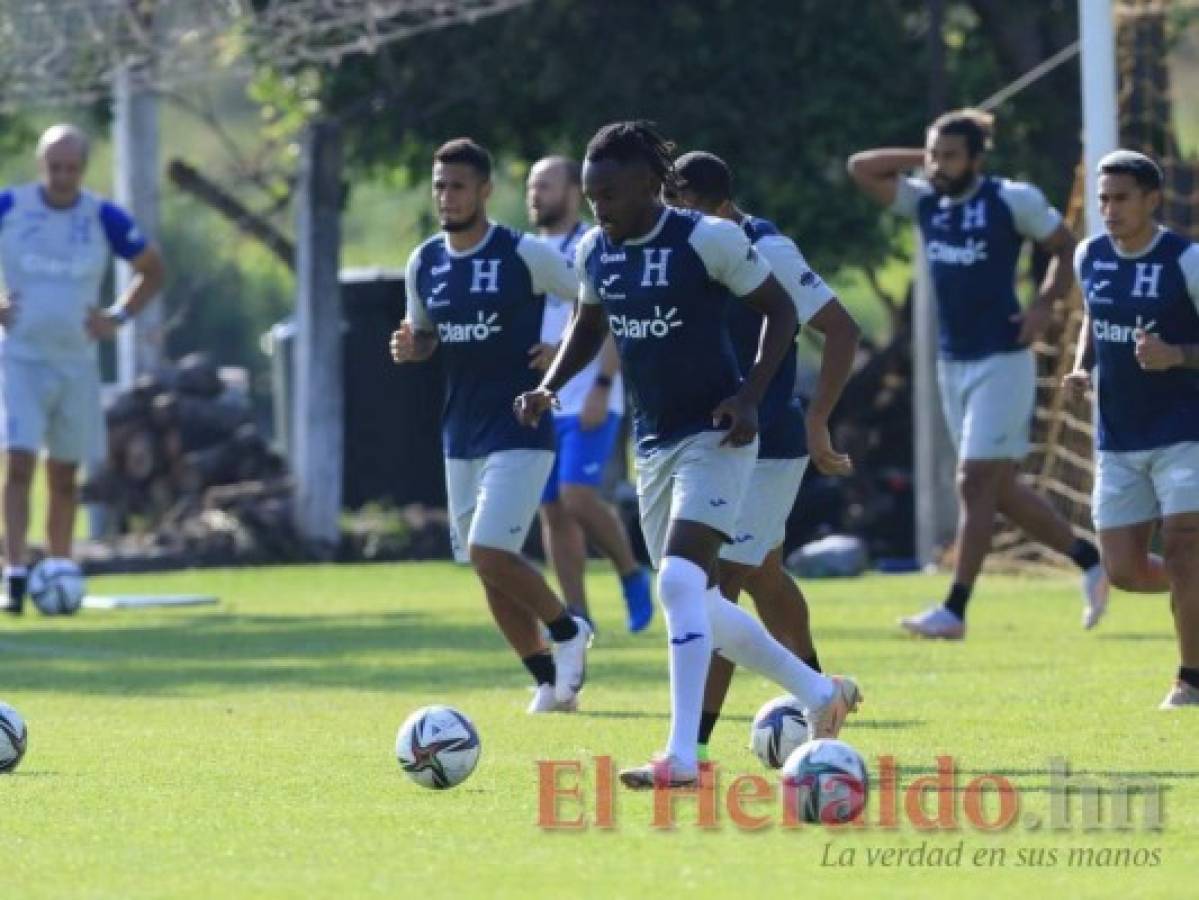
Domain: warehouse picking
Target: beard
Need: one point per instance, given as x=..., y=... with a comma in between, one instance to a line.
x=549, y=216
x=461, y=224
x=954, y=187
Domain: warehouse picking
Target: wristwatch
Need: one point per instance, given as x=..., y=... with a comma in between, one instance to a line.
x=604, y=381
x=119, y=314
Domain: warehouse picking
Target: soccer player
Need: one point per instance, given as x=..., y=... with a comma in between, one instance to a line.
x=660, y=280
x=754, y=559
x=587, y=420
x=55, y=244
x=974, y=226
x=478, y=290
x=1140, y=283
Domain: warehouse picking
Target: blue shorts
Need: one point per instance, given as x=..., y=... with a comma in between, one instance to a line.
x=582, y=454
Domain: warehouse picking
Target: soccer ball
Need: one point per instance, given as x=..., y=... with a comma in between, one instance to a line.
x=825, y=781
x=778, y=728
x=438, y=747
x=14, y=738
x=56, y=586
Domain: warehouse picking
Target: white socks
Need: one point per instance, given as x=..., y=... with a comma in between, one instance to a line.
x=681, y=588
x=742, y=639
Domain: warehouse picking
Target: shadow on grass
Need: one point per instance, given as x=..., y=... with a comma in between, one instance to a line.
x=393, y=651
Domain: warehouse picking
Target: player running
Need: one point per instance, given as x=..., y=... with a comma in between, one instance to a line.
x=786, y=434
x=587, y=421
x=974, y=226
x=1140, y=283
x=478, y=290
x=660, y=280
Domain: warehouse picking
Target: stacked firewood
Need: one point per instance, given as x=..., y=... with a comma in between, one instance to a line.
x=172, y=438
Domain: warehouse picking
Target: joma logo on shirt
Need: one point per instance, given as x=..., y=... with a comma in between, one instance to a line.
x=1121, y=334
x=482, y=330
x=640, y=329
x=973, y=251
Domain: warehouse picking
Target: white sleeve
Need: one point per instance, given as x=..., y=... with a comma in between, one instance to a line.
x=908, y=192
x=1080, y=252
x=417, y=316
x=1035, y=219
x=583, y=249
x=807, y=289
x=1189, y=263
x=549, y=269
x=728, y=256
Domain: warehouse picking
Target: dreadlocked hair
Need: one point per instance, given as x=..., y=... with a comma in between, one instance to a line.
x=626, y=142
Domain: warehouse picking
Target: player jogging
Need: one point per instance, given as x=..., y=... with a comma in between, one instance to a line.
x=660, y=279
x=1140, y=283
x=754, y=559
x=478, y=290
x=974, y=226
x=587, y=420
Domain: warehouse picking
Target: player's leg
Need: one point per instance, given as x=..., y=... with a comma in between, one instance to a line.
x=1175, y=473
x=523, y=633
x=74, y=434
x=26, y=392
x=61, y=481
x=584, y=454
x=1125, y=508
x=510, y=486
x=782, y=607
x=720, y=671
x=563, y=539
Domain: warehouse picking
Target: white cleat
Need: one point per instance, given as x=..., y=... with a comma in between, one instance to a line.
x=1182, y=694
x=1095, y=592
x=660, y=772
x=544, y=701
x=935, y=622
x=826, y=721
x=570, y=662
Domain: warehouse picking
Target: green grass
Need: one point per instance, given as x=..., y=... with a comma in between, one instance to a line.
x=246, y=750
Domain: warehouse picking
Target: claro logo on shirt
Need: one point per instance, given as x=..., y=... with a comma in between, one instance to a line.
x=973, y=251
x=1120, y=334
x=36, y=264
x=470, y=333
x=662, y=323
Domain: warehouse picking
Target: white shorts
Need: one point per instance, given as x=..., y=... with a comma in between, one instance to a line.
x=988, y=403
x=55, y=405
x=1145, y=485
x=493, y=499
x=762, y=520
x=696, y=480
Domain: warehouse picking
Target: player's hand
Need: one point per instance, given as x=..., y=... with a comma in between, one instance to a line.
x=1154, y=354
x=740, y=417
x=411, y=346
x=532, y=405
x=99, y=325
x=595, y=408
x=541, y=355
x=1077, y=383
x=820, y=447
x=8, y=309
x=1033, y=322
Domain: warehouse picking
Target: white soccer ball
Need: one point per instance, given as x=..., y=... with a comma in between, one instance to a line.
x=438, y=747
x=825, y=781
x=14, y=738
x=777, y=729
x=57, y=586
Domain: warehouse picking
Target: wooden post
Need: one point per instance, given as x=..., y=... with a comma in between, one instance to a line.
x=318, y=406
x=936, y=499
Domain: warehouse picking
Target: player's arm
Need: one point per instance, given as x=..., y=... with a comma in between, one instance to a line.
x=415, y=340
x=841, y=334
x=778, y=334
x=145, y=261
x=879, y=172
x=583, y=338
x=1154, y=354
x=595, y=406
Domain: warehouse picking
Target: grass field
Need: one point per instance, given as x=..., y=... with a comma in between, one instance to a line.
x=247, y=750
